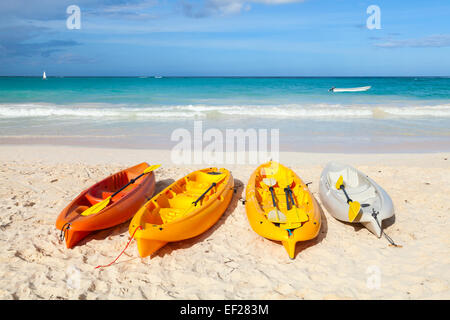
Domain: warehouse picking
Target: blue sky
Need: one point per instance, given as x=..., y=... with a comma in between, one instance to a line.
x=225, y=37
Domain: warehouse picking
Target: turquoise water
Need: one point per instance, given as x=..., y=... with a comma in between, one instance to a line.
x=218, y=91
x=396, y=114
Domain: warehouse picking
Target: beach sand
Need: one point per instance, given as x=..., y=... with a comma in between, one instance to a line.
x=229, y=261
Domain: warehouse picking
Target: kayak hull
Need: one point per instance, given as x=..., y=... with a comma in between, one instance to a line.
x=120, y=209
x=171, y=216
x=257, y=210
x=376, y=204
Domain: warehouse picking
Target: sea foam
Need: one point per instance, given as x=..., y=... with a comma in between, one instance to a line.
x=288, y=111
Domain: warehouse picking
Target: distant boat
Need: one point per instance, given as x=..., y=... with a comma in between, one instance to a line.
x=358, y=89
x=44, y=76
x=158, y=77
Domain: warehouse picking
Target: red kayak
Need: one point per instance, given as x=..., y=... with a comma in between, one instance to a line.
x=74, y=226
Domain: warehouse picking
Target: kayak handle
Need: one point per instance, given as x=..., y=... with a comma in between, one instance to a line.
x=286, y=192
x=346, y=195
x=290, y=195
x=204, y=193
x=273, y=197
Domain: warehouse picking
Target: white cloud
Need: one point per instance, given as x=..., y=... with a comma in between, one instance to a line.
x=225, y=7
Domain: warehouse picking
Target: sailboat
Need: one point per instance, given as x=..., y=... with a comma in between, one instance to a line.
x=44, y=76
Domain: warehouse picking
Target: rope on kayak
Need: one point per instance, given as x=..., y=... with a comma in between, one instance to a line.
x=64, y=229
x=374, y=215
x=138, y=227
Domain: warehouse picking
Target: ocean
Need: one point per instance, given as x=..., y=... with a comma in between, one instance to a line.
x=396, y=115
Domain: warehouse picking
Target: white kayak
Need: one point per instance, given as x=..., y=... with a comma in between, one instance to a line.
x=358, y=89
x=376, y=205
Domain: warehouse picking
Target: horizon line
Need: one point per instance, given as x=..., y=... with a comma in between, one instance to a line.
x=181, y=76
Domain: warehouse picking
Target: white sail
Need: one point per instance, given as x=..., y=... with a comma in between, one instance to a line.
x=44, y=76
x=350, y=89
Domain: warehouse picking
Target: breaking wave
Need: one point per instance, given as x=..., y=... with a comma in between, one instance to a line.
x=289, y=111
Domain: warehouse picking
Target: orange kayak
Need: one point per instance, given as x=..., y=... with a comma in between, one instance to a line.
x=75, y=226
x=183, y=210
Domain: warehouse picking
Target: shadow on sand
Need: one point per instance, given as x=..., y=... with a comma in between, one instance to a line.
x=321, y=235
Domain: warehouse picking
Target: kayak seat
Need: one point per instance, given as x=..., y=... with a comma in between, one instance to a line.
x=98, y=195
x=81, y=209
x=171, y=214
x=297, y=215
x=181, y=201
x=351, y=178
x=362, y=194
x=203, y=177
x=197, y=188
x=265, y=199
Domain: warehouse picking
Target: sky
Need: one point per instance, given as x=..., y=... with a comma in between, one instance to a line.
x=225, y=38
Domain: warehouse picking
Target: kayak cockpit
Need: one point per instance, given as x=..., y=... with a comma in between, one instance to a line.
x=287, y=203
x=357, y=186
x=182, y=198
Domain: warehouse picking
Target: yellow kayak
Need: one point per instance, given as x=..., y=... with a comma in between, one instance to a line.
x=280, y=206
x=183, y=210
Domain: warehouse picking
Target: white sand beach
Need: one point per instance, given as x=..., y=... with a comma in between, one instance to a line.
x=229, y=261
